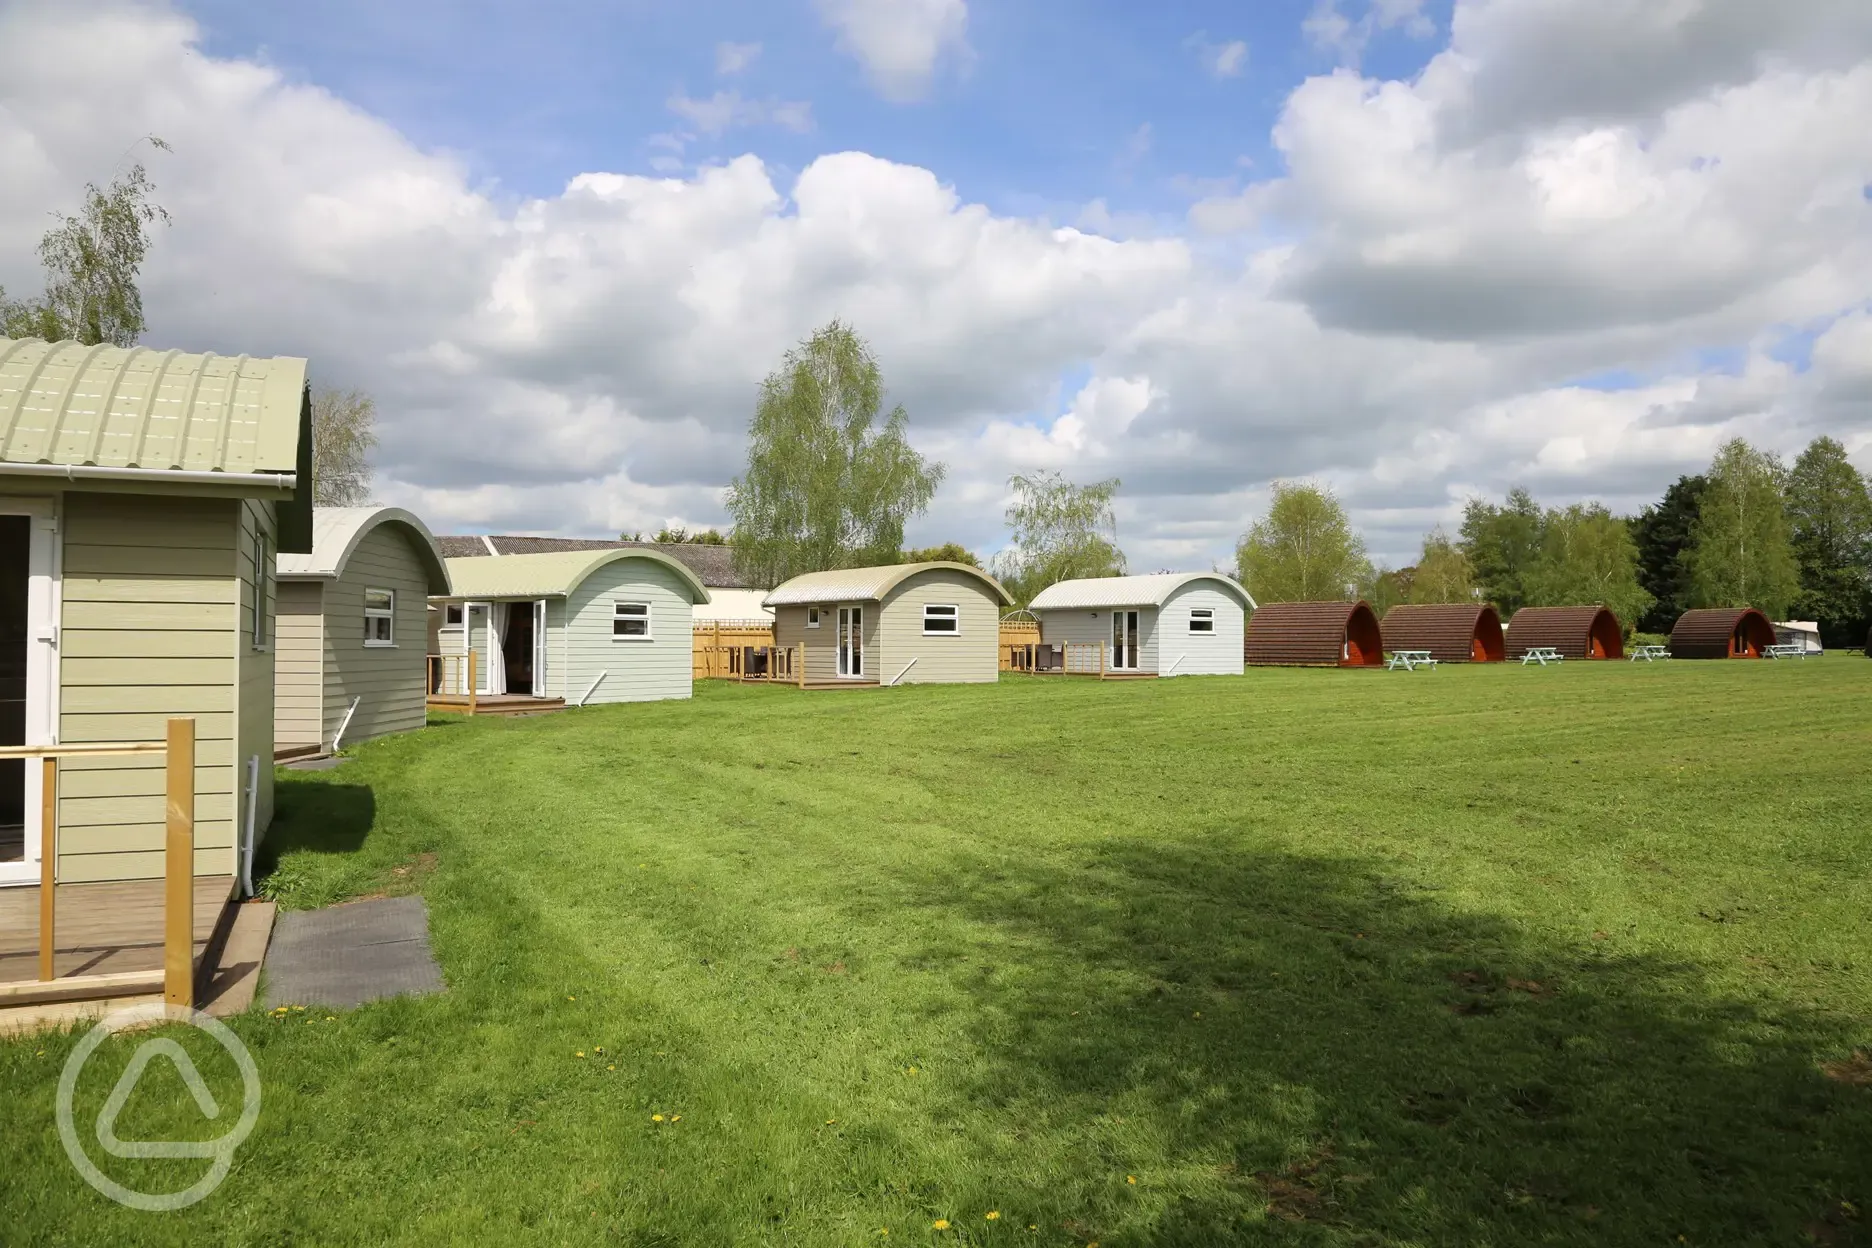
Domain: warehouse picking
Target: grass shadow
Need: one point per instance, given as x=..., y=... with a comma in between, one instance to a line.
x=1328, y=1053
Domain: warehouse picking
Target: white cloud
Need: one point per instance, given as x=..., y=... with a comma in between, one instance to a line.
x=899, y=42
x=1439, y=294
x=1330, y=30
x=732, y=58
x=726, y=110
x=1220, y=60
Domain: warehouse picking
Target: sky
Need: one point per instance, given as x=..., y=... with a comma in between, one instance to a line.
x=1415, y=250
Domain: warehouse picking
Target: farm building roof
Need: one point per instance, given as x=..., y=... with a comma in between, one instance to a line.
x=865, y=584
x=1576, y=632
x=336, y=532
x=713, y=565
x=1707, y=633
x=1314, y=634
x=1453, y=632
x=1128, y=591
x=550, y=575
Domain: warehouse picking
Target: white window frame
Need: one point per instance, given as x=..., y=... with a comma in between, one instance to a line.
x=617, y=613
x=1207, y=616
x=955, y=614
x=380, y=613
x=812, y=617
x=460, y=614
x=263, y=582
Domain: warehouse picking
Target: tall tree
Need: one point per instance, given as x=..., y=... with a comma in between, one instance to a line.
x=826, y=486
x=344, y=429
x=92, y=261
x=1741, y=552
x=948, y=552
x=681, y=536
x=1663, y=534
x=1060, y=531
x=1503, y=543
x=1303, y=550
x=1443, y=572
x=1830, y=509
x=1588, y=557
x=1383, y=588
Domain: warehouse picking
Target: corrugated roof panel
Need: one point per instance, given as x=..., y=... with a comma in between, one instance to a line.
x=1151, y=590
x=549, y=575
x=864, y=584
x=116, y=407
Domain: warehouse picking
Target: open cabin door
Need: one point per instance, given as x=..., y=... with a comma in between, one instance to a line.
x=28, y=676
x=539, y=648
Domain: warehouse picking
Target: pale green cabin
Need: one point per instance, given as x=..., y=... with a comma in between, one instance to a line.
x=352, y=660
x=902, y=624
x=581, y=627
x=143, y=497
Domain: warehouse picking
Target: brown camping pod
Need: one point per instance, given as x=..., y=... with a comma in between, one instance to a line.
x=1721, y=633
x=1454, y=632
x=1314, y=634
x=1576, y=632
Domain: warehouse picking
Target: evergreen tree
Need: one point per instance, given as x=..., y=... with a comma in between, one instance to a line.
x=1663, y=534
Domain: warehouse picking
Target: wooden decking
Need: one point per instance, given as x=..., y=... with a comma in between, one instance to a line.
x=113, y=929
x=495, y=704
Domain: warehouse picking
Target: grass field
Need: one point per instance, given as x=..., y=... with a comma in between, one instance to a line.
x=1478, y=956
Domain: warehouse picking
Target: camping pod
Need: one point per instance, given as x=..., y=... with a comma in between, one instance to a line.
x=1163, y=624
x=1314, y=634
x=936, y=622
x=1455, y=632
x=1576, y=632
x=1721, y=633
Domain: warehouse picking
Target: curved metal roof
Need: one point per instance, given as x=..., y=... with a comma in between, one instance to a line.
x=135, y=407
x=866, y=584
x=336, y=532
x=1152, y=590
x=550, y=576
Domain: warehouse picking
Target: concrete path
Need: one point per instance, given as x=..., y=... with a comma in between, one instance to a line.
x=235, y=970
x=346, y=955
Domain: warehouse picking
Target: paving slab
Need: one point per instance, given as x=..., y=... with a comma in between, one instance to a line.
x=327, y=763
x=343, y=956
x=235, y=971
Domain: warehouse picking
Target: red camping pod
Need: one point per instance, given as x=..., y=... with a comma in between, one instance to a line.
x=1576, y=632
x=1721, y=633
x=1314, y=634
x=1455, y=632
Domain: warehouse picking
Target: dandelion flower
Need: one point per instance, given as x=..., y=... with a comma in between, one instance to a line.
x=597, y=1048
x=675, y=1117
x=1131, y=1179
x=830, y=1121
x=940, y=1224
x=580, y=1053
x=611, y=1068
x=656, y=1117
x=1197, y=1014
x=993, y=1215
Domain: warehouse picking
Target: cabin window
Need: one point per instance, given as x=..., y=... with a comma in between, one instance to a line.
x=452, y=615
x=944, y=619
x=630, y=621
x=1202, y=619
x=263, y=590
x=380, y=617
x=812, y=617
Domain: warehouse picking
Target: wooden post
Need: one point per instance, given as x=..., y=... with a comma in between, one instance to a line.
x=179, y=867
x=802, y=665
x=48, y=869
x=1101, y=660
x=473, y=684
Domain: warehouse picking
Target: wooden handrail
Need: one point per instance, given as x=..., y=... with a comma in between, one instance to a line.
x=178, y=848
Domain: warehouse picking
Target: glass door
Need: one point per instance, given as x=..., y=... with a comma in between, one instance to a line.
x=28, y=658
x=851, y=642
x=1124, y=639
x=539, y=648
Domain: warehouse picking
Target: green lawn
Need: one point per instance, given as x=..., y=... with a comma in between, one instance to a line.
x=1478, y=956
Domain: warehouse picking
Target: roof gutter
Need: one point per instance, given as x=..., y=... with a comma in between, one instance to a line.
x=283, y=481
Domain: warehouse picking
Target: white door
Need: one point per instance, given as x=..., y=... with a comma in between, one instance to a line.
x=1124, y=639
x=28, y=676
x=539, y=648
x=479, y=635
x=851, y=642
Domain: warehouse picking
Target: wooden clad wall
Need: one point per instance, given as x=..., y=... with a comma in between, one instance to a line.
x=152, y=593
x=253, y=729
x=390, y=680
x=635, y=671
x=971, y=656
x=822, y=642
x=299, y=664
x=1217, y=653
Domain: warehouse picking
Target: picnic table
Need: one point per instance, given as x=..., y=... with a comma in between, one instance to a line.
x=1649, y=653
x=1787, y=650
x=1409, y=660
x=1542, y=655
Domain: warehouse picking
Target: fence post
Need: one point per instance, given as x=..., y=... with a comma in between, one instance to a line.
x=48, y=869
x=179, y=867
x=1101, y=660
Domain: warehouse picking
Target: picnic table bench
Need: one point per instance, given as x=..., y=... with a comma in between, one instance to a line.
x=1542, y=655
x=1786, y=650
x=1650, y=653
x=1409, y=660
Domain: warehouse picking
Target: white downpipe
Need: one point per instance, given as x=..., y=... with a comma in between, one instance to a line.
x=345, y=723
x=253, y=817
x=1177, y=664
x=590, y=689
x=906, y=668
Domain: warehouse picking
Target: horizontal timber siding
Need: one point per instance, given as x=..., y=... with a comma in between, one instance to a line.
x=970, y=656
x=390, y=681
x=299, y=664
x=635, y=671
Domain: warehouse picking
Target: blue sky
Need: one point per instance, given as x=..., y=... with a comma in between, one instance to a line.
x=1045, y=116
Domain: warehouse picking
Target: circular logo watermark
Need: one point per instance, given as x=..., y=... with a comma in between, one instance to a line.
x=221, y=1150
